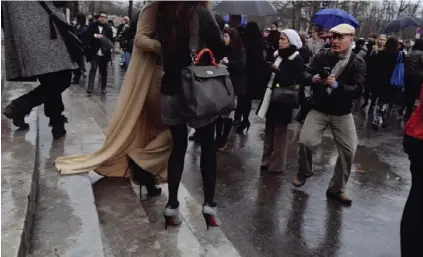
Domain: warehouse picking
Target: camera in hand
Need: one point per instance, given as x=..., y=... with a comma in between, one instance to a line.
x=324, y=73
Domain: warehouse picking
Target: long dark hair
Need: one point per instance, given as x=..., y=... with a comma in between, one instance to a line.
x=235, y=39
x=174, y=17
x=392, y=45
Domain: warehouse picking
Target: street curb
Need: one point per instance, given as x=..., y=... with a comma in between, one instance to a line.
x=20, y=181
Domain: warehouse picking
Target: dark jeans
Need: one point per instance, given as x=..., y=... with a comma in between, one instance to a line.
x=411, y=93
x=81, y=68
x=49, y=93
x=207, y=162
x=99, y=62
x=412, y=217
x=243, y=108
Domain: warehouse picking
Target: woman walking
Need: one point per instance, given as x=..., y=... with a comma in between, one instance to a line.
x=385, y=62
x=412, y=222
x=136, y=138
x=174, y=31
x=234, y=59
x=288, y=69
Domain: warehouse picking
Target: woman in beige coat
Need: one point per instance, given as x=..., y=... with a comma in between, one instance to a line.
x=136, y=136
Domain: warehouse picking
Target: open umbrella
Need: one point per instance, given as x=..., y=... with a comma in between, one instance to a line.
x=329, y=18
x=399, y=24
x=257, y=8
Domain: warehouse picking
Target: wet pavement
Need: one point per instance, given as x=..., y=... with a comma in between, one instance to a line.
x=263, y=214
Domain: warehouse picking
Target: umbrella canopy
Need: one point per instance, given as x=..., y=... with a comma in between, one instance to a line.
x=257, y=8
x=399, y=24
x=329, y=18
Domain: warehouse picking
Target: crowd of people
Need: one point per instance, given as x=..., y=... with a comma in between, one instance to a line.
x=321, y=74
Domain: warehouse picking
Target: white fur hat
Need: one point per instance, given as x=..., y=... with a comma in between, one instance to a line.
x=293, y=37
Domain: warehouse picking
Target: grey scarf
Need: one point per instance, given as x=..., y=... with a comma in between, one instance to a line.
x=342, y=63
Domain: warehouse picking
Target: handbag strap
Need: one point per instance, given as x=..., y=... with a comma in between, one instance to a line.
x=53, y=34
x=194, y=40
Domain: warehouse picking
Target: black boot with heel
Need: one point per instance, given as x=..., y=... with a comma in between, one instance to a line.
x=142, y=177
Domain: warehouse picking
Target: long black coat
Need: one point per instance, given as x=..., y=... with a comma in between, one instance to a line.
x=236, y=68
x=290, y=73
x=94, y=44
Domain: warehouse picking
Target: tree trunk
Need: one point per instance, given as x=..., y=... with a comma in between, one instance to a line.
x=130, y=9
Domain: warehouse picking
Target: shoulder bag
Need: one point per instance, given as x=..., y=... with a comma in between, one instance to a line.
x=207, y=90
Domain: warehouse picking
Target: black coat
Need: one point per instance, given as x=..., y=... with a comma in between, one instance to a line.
x=94, y=44
x=350, y=83
x=290, y=74
x=236, y=68
x=254, y=53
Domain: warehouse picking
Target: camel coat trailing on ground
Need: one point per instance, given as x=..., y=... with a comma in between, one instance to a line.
x=136, y=129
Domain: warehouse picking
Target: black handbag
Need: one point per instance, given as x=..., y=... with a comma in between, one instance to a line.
x=286, y=96
x=207, y=90
x=73, y=44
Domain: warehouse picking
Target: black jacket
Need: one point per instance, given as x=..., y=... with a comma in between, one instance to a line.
x=350, y=83
x=236, y=68
x=94, y=44
x=414, y=65
x=175, y=61
x=290, y=74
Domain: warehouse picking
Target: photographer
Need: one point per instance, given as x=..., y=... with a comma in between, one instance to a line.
x=337, y=77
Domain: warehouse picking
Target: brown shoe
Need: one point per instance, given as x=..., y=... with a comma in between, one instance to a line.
x=341, y=197
x=299, y=180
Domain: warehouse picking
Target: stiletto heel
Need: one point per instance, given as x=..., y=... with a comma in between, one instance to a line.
x=172, y=217
x=245, y=124
x=210, y=216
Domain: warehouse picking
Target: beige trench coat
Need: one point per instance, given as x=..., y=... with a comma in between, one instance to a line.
x=136, y=129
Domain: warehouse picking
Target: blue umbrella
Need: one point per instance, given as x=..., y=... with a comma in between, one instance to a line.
x=329, y=18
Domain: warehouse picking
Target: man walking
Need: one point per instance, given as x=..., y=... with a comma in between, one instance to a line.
x=99, y=36
x=337, y=77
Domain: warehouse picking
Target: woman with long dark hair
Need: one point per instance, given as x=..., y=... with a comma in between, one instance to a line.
x=234, y=59
x=385, y=63
x=174, y=23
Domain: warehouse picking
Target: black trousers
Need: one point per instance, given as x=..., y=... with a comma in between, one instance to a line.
x=207, y=162
x=99, y=62
x=49, y=93
x=81, y=68
x=411, y=93
x=412, y=217
x=243, y=108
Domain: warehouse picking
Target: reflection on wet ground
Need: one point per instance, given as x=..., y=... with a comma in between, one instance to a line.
x=264, y=215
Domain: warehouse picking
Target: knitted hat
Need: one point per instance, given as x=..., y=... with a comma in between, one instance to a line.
x=293, y=37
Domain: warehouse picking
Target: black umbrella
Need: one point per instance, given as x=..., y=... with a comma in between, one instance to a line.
x=399, y=24
x=257, y=8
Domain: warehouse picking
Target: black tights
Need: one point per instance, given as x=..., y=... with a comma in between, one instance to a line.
x=243, y=108
x=207, y=161
x=412, y=222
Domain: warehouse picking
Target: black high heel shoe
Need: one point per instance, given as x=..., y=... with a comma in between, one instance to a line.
x=142, y=177
x=210, y=216
x=245, y=124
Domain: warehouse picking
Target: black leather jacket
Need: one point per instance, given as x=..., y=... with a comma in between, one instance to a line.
x=350, y=83
x=414, y=65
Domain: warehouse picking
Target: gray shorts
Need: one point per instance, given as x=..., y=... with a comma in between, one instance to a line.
x=171, y=110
